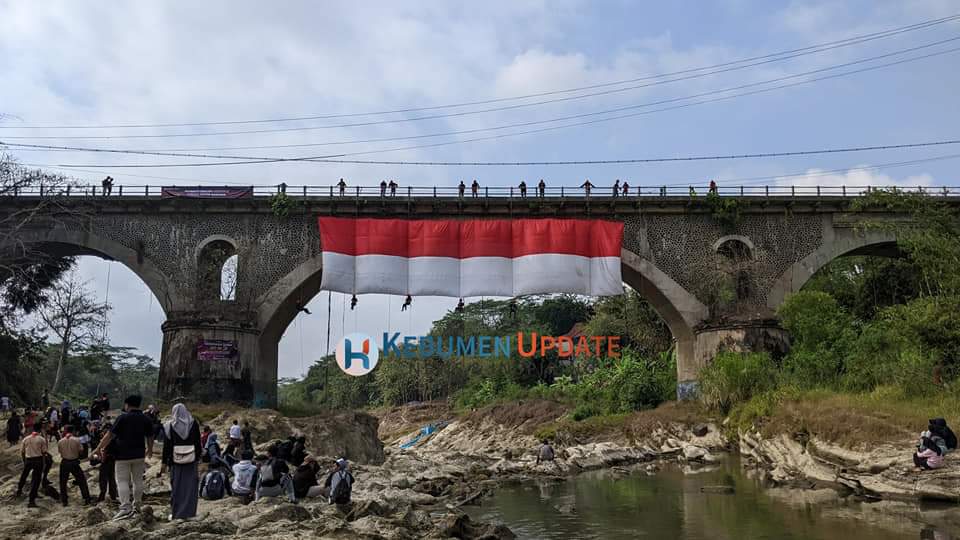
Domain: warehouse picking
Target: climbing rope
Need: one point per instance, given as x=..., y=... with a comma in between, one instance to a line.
x=329, y=309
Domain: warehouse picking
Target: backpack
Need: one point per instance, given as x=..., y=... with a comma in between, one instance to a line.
x=213, y=486
x=340, y=493
x=269, y=475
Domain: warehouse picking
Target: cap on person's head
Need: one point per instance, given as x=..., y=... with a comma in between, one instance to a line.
x=246, y=455
x=341, y=462
x=133, y=401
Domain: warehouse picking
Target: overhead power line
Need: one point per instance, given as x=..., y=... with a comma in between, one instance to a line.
x=449, y=115
x=336, y=158
x=718, y=157
x=732, y=65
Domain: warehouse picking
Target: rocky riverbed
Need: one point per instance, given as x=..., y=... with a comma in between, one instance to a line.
x=420, y=492
x=413, y=493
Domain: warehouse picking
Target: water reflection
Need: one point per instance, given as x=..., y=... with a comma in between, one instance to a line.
x=670, y=504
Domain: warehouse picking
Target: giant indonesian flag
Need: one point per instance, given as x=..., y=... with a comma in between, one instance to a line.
x=476, y=257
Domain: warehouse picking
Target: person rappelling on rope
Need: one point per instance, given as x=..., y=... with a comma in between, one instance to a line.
x=353, y=302
x=460, y=306
x=406, y=303
x=513, y=309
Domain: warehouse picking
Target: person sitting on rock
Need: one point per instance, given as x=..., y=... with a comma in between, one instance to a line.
x=274, y=480
x=939, y=427
x=930, y=451
x=545, y=453
x=245, y=477
x=299, y=452
x=339, y=483
x=305, y=479
x=285, y=448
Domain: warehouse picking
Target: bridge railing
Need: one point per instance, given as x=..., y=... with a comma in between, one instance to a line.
x=647, y=191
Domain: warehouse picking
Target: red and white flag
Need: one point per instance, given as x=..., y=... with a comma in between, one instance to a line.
x=464, y=258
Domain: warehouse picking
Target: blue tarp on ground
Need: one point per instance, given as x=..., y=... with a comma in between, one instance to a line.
x=425, y=432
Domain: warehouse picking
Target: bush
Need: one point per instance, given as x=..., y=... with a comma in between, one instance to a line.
x=584, y=411
x=734, y=378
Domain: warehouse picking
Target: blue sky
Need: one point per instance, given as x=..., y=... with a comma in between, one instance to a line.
x=84, y=63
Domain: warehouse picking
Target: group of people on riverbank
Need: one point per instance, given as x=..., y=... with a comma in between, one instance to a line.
x=122, y=449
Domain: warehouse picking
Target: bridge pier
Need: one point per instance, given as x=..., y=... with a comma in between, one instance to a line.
x=214, y=360
x=761, y=335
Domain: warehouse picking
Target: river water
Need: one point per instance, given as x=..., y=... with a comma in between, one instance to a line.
x=670, y=504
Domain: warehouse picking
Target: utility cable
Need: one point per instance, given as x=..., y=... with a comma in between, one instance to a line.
x=814, y=48
x=332, y=158
x=439, y=116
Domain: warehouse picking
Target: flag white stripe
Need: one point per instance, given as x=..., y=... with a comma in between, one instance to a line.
x=474, y=276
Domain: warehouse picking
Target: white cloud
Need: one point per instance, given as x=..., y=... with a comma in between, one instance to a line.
x=857, y=177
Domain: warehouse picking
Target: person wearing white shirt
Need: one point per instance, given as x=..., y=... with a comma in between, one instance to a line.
x=236, y=439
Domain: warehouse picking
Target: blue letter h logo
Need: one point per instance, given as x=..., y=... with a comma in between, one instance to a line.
x=349, y=355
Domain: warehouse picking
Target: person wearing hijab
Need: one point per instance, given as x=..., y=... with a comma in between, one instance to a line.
x=181, y=456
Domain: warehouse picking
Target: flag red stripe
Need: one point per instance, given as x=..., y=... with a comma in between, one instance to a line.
x=470, y=238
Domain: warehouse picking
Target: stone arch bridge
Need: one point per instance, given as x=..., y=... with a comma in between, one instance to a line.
x=716, y=283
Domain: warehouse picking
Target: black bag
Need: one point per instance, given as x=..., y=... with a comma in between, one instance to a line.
x=341, y=492
x=214, y=486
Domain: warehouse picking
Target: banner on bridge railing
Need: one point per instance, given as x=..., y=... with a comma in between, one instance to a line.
x=204, y=192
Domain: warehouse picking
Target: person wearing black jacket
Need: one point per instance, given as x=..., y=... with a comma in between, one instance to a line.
x=181, y=456
x=305, y=479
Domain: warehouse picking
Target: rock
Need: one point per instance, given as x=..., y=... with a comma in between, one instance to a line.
x=147, y=516
x=700, y=430
x=114, y=531
x=694, y=453
x=566, y=508
x=460, y=526
x=368, y=508
x=94, y=516
x=717, y=489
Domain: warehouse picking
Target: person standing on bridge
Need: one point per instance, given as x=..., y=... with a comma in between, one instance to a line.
x=713, y=187
x=626, y=188
x=542, y=187
x=107, y=185
x=462, y=188
x=616, y=188
x=475, y=187
x=343, y=187
x=586, y=187
x=523, y=189
x=393, y=188
x=282, y=188
x=383, y=188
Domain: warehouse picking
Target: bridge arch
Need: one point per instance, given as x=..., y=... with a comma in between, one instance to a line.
x=840, y=243
x=67, y=243
x=681, y=311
